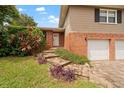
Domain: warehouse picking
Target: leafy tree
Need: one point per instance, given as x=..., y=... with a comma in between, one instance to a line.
x=7, y=14
x=24, y=20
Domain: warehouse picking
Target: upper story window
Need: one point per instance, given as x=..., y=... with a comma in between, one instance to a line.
x=108, y=16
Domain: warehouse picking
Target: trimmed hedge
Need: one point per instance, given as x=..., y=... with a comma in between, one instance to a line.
x=71, y=56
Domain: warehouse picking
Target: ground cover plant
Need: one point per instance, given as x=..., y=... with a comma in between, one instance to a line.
x=59, y=72
x=24, y=72
x=41, y=59
x=71, y=56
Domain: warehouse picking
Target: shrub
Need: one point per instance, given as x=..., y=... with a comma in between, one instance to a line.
x=4, y=45
x=41, y=60
x=21, y=41
x=33, y=43
x=71, y=56
x=59, y=72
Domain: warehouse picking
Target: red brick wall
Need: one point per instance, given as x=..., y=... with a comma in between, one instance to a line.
x=77, y=42
x=112, y=49
x=61, y=39
x=49, y=39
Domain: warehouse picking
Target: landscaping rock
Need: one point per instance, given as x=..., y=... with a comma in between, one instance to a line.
x=95, y=72
x=59, y=61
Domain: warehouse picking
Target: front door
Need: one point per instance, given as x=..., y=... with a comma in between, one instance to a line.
x=55, y=39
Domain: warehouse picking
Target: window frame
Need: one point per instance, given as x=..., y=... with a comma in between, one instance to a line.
x=107, y=10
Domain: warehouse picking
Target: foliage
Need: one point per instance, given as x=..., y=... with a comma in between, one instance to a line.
x=7, y=14
x=69, y=75
x=23, y=72
x=59, y=72
x=23, y=20
x=21, y=41
x=71, y=56
x=41, y=60
x=32, y=43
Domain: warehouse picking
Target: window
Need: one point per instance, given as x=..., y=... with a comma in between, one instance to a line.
x=103, y=16
x=111, y=16
x=108, y=16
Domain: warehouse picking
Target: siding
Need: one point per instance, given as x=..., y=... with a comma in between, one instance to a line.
x=67, y=24
x=82, y=20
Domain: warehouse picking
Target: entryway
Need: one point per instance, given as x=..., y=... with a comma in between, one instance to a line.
x=56, y=39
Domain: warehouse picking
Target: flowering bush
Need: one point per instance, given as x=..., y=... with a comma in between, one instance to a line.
x=20, y=41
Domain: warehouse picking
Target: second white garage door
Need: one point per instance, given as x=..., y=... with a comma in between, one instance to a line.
x=98, y=49
x=119, y=49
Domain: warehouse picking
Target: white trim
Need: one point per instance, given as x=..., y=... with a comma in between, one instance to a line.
x=108, y=16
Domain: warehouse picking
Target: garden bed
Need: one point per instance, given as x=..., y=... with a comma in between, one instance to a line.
x=65, y=54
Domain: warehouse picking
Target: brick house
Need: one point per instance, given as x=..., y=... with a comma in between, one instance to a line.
x=54, y=37
x=94, y=31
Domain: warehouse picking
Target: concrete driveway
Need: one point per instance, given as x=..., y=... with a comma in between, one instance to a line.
x=110, y=74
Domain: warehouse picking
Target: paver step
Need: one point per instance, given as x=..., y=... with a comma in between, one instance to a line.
x=59, y=61
x=54, y=48
x=49, y=55
x=48, y=51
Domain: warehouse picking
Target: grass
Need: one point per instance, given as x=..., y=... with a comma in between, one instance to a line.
x=24, y=72
x=71, y=56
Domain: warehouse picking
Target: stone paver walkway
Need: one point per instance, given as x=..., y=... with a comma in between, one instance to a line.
x=53, y=58
x=82, y=70
x=109, y=74
x=105, y=73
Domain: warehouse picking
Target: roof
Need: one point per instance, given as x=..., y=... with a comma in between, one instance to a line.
x=65, y=8
x=63, y=13
x=52, y=29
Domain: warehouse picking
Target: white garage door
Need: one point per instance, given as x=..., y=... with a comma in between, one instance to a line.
x=119, y=49
x=98, y=49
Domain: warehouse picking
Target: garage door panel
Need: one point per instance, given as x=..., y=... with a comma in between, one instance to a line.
x=119, y=49
x=98, y=49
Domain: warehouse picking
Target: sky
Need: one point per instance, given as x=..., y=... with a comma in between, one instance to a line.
x=44, y=15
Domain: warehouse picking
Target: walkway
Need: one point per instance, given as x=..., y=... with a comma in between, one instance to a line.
x=111, y=74
x=105, y=73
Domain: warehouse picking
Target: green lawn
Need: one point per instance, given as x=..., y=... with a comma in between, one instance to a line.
x=25, y=72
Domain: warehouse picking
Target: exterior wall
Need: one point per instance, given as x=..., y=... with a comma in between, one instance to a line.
x=82, y=20
x=61, y=39
x=67, y=23
x=77, y=42
x=67, y=27
x=80, y=26
x=49, y=39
